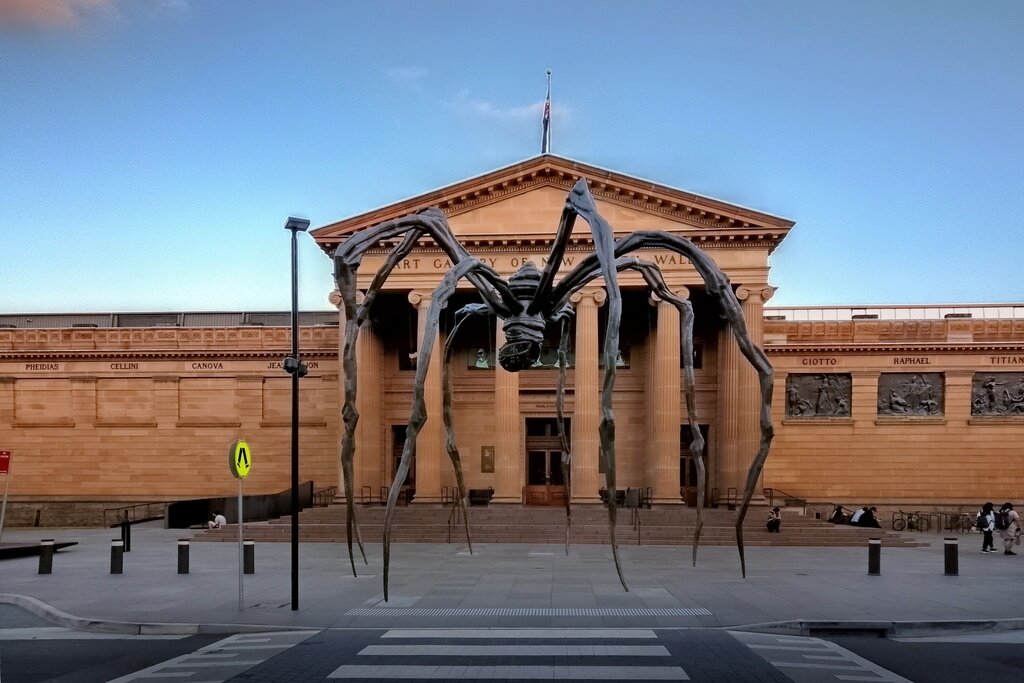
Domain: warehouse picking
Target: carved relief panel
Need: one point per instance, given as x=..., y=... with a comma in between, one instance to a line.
x=997, y=393
x=819, y=395
x=911, y=394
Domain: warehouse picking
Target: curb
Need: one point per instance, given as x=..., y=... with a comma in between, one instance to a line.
x=883, y=629
x=60, y=618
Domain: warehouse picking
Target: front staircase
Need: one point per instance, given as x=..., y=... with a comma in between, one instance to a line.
x=513, y=524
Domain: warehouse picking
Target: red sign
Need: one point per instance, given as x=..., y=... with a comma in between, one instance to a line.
x=5, y=462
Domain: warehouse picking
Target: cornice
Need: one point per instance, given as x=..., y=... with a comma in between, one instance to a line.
x=700, y=213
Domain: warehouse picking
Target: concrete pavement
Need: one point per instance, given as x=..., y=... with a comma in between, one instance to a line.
x=797, y=590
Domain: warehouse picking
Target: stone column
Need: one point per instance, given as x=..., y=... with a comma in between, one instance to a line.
x=367, y=468
x=369, y=429
x=430, y=442
x=665, y=406
x=335, y=300
x=739, y=397
x=586, y=419
x=508, y=455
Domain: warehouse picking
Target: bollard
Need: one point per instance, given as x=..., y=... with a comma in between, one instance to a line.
x=249, y=562
x=116, y=556
x=952, y=547
x=46, y=556
x=874, y=556
x=183, y=556
x=126, y=535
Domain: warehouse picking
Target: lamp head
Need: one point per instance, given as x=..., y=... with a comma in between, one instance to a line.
x=297, y=224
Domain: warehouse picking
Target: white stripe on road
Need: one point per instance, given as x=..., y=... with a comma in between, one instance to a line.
x=558, y=673
x=519, y=633
x=516, y=650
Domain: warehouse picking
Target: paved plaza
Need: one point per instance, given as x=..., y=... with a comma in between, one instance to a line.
x=511, y=586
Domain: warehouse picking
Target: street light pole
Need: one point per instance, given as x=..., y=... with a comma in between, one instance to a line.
x=294, y=367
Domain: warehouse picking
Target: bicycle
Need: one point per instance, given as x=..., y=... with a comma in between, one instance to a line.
x=911, y=521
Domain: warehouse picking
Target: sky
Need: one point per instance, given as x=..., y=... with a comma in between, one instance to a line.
x=151, y=150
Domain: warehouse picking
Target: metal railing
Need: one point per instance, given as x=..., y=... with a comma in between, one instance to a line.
x=134, y=514
x=323, y=497
x=787, y=498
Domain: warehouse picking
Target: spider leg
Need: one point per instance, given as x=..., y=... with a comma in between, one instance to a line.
x=565, y=318
x=717, y=285
x=347, y=258
x=461, y=316
x=432, y=221
x=355, y=316
x=652, y=275
x=418, y=414
x=582, y=202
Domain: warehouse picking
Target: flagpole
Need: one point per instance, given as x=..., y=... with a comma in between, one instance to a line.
x=545, y=143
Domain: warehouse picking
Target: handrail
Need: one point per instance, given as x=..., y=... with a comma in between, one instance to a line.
x=770, y=492
x=131, y=514
x=454, y=516
x=323, y=497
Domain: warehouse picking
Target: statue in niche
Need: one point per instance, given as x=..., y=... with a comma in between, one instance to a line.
x=989, y=395
x=818, y=395
x=910, y=394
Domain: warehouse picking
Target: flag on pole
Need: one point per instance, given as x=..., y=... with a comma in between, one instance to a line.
x=545, y=140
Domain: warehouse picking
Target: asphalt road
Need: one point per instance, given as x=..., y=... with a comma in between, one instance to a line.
x=33, y=651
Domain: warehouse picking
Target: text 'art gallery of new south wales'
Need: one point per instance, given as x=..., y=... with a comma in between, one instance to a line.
x=902, y=406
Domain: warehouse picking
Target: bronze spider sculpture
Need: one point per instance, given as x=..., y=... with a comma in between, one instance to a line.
x=527, y=302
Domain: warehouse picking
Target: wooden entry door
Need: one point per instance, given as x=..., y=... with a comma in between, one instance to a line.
x=545, y=484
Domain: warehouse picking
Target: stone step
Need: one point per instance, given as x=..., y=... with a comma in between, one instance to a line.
x=509, y=524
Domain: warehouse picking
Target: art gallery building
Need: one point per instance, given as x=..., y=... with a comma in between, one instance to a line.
x=907, y=405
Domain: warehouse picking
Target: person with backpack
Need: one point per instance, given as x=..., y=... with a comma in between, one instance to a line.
x=986, y=523
x=1008, y=525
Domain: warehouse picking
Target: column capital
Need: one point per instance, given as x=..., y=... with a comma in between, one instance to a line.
x=420, y=299
x=596, y=294
x=335, y=298
x=755, y=293
x=681, y=292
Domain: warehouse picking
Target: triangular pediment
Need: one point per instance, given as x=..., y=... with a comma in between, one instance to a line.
x=522, y=203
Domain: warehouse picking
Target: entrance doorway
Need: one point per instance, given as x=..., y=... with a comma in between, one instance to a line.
x=688, y=467
x=545, y=483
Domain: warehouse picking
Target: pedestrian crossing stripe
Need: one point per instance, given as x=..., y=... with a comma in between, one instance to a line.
x=529, y=612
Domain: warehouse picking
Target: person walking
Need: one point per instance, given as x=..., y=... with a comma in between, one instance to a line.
x=1008, y=524
x=986, y=525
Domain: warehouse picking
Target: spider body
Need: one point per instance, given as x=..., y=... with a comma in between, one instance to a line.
x=527, y=303
x=524, y=331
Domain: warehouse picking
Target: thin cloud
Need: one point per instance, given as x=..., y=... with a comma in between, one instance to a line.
x=467, y=105
x=49, y=13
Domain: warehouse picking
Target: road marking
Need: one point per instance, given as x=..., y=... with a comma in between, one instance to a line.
x=830, y=658
x=520, y=633
x=516, y=650
x=529, y=612
x=215, y=664
x=576, y=673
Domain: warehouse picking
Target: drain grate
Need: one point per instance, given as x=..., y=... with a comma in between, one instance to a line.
x=529, y=612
